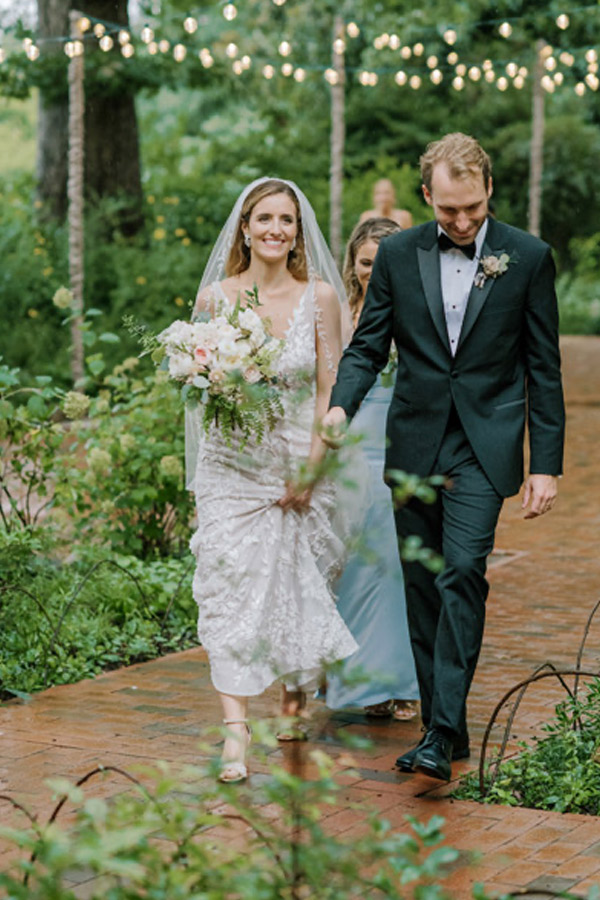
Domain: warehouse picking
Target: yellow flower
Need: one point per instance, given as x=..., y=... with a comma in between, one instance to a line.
x=179, y=301
x=37, y=251
x=40, y=238
x=186, y=242
x=199, y=219
x=180, y=232
x=172, y=200
x=47, y=271
x=159, y=234
x=37, y=204
x=151, y=199
x=141, y=279
x=160, y=219
x=32, y=313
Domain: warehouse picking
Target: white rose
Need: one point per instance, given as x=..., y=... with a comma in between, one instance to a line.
x=181, y=366
x=249, y=320
x=252, y=374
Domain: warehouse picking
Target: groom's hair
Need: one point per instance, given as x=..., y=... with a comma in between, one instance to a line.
x=462, y=154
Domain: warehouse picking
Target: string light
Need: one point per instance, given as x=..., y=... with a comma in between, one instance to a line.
x=550, y=64
x=99, y=30
x=394, y=42
x=580, y=88
x=179, y=52
x=452, y=58
x=147, y=34
x=27, y=43
x=505, y=30
x=461, y=70
x=268, y=71
x=592, y=67
x=231, y=50
x=331, y=76
x=230, y=12
x=458, y=83
x=152, y=48
x=246, y=61
x=278, y=2
x=164, y=46
x=285, y=48
x=489, y=75
x=432, y=62
x=352, y=29
x=450, y=36
x=502, y=83
x=237, y=67
x=567, y=59
x=84, y=24
x=519, y=82
x=206, y=57
x=299, y=75
x=563, y=21
x=523, y=71
x=401, y=78
x=2, y=54
x=378, y=42
x=512, y=69
x=592, y=81
x=546, y=51
x=548, y=84
x=287, y=69
x=406, y=52
x=190, y=24
x=591, y=56
x=418, y=49
x=436, y=76
x=415, y=82
x=487, y=64
x=106, y=43
x=474, y=73
x=124, y=37
x=558, y=78
x=127, y=50
x=33, y=52
x=339, y=45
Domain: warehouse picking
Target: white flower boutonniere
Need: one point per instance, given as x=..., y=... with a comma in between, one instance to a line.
x=491, y=267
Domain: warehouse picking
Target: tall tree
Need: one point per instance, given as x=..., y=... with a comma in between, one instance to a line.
x=112, y=156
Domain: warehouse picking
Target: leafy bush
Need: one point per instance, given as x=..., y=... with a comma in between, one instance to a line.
x=61, y=622
x=579, y=291
x=560, y=772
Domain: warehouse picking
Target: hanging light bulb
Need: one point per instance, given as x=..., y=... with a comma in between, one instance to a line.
x=461, y=70
x=278, y=2
x=418, y=49
x=147, y=34
x=394, y=42
x=580, y=88
x=519, y=82
x=550, y=64
x=436, y=76
x=2, y=55
x=152, y=48
x=128, y=50
x=246, y=61
x=523, y=71
x=592, y=81
x=164, y=46
x=378, y=42
x=124, y=37
x=548, y=84
x=385, y=39
x=33, y=52
x=401, y=78
x=489, y=75
x=230, y=12
x=458, y=83
x=331, y=76
x=592, y=67
x=363, y=78
x=450, y=36
x=505, y=30
x=352, y=30
x=406, y=52
x=487, y=64
x=563, y=21
x=190, y=24
x=268, y=71
x=237, y=67
x=99, y=30
x=206, y=58
x=339, y=45
x=502, y=83
x=27, y=43
x=474, y=73
x=512, y=69
x=566, y=58
x=287, y=69
x=452, y=58
x=558, y=78
x=299, y=75
x=179, y=52
x=591, y=56
x=106, y=43
x=415, y=82
x=546, y=51
x=68, y=48
x=231, y=50
x=84, y=24
x=285, y=48
x=432, y=62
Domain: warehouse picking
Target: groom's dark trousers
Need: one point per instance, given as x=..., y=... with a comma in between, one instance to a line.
x=461, y=414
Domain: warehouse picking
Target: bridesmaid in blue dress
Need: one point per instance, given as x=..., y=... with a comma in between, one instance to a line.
x=380, y=676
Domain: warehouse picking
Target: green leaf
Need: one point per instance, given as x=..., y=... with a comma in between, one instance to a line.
x=109, y=337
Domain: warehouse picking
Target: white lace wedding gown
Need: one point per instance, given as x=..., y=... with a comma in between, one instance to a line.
x=262, y=581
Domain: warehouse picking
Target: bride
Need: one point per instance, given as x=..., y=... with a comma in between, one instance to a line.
x=266, y=548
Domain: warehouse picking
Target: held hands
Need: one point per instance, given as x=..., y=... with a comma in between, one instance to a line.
x=539, y=495
x=333, y=427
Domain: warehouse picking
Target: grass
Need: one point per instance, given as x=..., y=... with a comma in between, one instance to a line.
x=18, y=126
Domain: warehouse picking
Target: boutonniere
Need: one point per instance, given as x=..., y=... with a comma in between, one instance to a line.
x=492, y=266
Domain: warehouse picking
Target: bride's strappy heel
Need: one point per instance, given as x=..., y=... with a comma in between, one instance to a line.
x=235, y=770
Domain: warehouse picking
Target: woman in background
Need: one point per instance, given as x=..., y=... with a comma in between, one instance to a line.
x=371, y=590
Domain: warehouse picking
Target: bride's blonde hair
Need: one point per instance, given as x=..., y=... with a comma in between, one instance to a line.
x=239, y=255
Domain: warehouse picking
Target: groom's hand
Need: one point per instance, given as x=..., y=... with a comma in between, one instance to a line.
x=539, y=494
x=333, y=427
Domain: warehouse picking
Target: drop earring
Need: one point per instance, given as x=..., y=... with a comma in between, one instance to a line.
x=247, y=240
x=293, y=247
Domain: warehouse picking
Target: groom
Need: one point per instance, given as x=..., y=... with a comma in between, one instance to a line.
x=470, y=304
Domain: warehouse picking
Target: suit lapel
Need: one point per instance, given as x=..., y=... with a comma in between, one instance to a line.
x=429, y=268
x=478, y=296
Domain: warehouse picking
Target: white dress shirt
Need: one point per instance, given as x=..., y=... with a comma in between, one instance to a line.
x=457, y=273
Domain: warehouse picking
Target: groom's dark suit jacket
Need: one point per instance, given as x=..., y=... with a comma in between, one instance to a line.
x=506, y=370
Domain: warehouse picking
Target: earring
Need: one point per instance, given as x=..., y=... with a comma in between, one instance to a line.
x=293, y=247
x=247, y=240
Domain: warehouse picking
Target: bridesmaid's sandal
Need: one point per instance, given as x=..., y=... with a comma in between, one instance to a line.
x=405, y=710
x=294, y=703
x=233, y=771
x=297, y=731
x=381, y=710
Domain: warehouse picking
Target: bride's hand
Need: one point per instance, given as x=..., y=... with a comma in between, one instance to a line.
x=296, y=497
x=334, y=425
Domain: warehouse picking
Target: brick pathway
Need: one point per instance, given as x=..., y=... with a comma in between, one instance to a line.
x=545, y=579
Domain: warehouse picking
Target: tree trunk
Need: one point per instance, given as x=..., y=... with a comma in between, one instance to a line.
x=536, y=154
x=112, y=167
x=338, y=133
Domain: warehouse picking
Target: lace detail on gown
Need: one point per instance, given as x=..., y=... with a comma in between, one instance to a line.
x=263, y=576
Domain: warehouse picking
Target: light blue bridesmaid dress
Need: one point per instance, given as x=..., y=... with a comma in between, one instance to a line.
x=371, y=589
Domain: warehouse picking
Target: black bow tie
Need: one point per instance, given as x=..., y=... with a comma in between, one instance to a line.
x=446, y=243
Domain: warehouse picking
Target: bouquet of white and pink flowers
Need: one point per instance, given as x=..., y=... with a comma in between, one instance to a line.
x=226, y=363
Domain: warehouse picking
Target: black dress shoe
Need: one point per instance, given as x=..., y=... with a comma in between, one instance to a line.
x=434, y=755
x=460, y=750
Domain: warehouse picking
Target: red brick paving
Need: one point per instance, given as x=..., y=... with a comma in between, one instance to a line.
x=545, y=579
